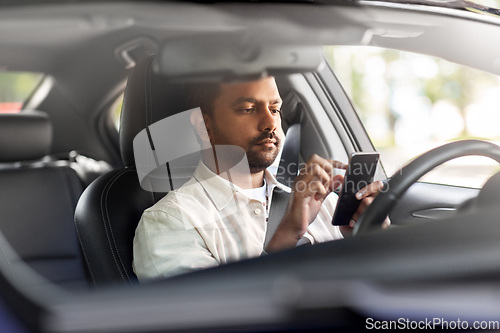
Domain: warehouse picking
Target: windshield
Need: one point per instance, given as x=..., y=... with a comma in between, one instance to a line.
x=488, y=7
x=121, y=230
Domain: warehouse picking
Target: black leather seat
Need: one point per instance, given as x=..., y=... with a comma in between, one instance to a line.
x=38, y=200
x=110, y=208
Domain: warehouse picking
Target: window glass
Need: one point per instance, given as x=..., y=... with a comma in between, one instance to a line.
x=16, y=88
x=489, y=3
x=410, y=103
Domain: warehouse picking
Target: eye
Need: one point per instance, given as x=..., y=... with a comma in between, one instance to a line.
x=275, y=111
x=248, y=110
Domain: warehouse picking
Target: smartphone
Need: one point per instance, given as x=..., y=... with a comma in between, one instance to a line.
x=360, y=173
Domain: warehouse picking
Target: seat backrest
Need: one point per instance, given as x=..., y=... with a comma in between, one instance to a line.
x=37, y=201
x=110, y=208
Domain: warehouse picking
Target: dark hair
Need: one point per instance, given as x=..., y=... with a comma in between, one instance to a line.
x=203, y=95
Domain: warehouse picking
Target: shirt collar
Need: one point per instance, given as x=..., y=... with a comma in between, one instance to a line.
x=221, y=191
x=272, y=182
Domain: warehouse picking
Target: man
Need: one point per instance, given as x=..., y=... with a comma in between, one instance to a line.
x=220, y=215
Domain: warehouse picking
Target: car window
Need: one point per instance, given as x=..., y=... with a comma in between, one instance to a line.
x=490, y=3
x=16, y=88
x=410, y=103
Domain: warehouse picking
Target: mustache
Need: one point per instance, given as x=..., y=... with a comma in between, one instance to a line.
x=265, y=136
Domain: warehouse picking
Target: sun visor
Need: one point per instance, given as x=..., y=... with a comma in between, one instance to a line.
x=223, y=58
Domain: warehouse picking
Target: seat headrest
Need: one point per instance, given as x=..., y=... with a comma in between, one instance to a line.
x=24, y=136
x=148, y=98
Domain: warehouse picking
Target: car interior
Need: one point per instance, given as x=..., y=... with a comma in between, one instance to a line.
x=70, y=196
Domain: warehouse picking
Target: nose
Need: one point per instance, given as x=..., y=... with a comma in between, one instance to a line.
x=269, y=119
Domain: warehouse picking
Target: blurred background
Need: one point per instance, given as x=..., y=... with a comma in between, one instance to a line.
x=16, y=88
x=411, y=103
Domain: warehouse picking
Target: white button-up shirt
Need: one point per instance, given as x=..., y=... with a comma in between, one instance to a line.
x=208, y=222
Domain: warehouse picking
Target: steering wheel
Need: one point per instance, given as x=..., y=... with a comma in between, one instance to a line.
x=394, y=189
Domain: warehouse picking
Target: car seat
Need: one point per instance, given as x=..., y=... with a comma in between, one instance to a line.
x=110, y=208
x=38, y=200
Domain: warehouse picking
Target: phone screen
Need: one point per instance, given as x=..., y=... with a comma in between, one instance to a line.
x=360, y=173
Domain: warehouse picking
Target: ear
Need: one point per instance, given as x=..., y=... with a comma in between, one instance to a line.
x=198, y=122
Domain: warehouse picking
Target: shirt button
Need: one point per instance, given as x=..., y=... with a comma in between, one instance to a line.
x=257, y=211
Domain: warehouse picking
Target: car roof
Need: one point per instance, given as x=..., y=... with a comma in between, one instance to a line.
x=46, y=33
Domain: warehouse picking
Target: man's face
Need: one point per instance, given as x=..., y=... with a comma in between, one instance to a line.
x=248, y=115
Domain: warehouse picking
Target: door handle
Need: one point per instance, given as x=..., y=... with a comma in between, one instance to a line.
x=435, y=213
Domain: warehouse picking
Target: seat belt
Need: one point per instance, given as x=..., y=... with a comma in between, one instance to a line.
x=279, y=201
x=289, y=164
x=287, y=171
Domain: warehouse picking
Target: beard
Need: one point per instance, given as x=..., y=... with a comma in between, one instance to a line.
x=259, y=157
x=257, y=160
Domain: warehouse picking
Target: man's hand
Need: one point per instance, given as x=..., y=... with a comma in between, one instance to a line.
x=314, y=183
x=366, y=195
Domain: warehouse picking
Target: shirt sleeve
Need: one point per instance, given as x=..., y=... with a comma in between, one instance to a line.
x=164, y=247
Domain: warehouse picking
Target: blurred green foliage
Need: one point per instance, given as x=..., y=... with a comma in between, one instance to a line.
x=17, y=86
x=431, y=79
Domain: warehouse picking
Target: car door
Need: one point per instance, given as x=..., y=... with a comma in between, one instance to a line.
x=423, y=201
